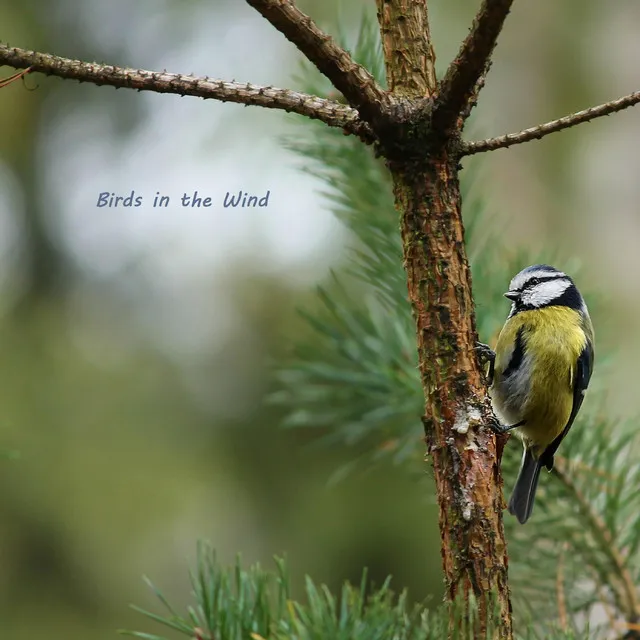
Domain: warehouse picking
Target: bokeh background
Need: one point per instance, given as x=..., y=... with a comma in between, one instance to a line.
x=135, y=342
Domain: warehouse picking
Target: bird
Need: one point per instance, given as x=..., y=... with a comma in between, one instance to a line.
x=539, y=371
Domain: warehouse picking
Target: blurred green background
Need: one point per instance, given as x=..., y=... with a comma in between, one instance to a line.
x=136, y=342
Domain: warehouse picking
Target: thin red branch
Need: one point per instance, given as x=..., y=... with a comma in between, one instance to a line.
x=356, y=84
x=461, y=79
x=542, y=130
x=16, y=76
x=329, y=112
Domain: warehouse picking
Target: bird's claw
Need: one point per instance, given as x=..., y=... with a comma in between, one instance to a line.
x=487, y=355
x=501, y=429
x=495, y=426
x=485, y=352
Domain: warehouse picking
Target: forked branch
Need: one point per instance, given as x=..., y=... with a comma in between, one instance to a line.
x=331, y=113
x=461, y=79
x=542, y=130
x=356, y=84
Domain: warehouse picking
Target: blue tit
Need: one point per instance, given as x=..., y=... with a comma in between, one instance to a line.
x=540, y=371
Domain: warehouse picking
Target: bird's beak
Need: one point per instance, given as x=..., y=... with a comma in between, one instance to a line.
x=512, y=295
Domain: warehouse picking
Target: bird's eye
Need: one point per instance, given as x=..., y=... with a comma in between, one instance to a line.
x=534, y=281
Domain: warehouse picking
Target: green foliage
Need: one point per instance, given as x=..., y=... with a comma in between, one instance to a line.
x=585, y=535
x=231, y=604
x=234, y=604
x=359, y=374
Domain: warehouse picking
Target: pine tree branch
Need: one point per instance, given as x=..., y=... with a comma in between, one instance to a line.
x=623, y=588
x=542, y=130
x=356, y=84
x=405, y=35
x=330, y=112
x=472, y=101
x=460, y=81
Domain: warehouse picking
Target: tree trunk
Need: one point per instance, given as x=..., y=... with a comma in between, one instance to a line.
x=424, y=166
x=463, y=455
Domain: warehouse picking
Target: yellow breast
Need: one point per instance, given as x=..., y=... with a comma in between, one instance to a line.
x=540, y=392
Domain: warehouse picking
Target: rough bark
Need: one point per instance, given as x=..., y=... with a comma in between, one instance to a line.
x=462, y=451
x=463, y=74
x=424, y=166
x=542, y=130
x=351, y=79
x=330, y=112
x=406, y=42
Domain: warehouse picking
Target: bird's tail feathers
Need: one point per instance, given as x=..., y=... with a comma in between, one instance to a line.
x=521, y=501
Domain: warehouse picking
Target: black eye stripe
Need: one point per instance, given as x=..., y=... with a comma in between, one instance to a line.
x=535, y=281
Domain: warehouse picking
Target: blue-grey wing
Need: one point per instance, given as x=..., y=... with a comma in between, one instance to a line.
x=584, y=368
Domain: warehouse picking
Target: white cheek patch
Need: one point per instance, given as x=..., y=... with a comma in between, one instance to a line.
x=545, y=292
x=522, y=278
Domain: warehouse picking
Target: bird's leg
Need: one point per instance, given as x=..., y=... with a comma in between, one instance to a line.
x=487, y=354
x=501, y=429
